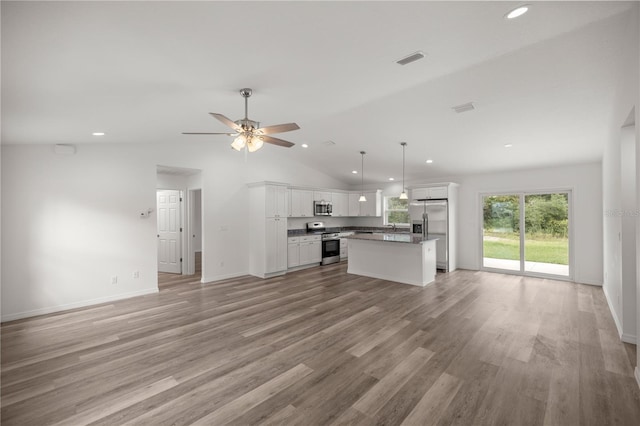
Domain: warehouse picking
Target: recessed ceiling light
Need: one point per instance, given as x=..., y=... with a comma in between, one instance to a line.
x=518, y=11
x=304, y=145
x=429, y=161
x=98, y=133
x=391, y=179
x=355, y=172
x=508, y=145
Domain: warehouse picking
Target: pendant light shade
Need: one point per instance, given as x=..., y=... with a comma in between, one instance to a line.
x=362, y=197
x=403, y=194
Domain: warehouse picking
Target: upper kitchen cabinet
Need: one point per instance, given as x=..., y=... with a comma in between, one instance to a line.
x=340, y=201
x=322, y=196
x=371, y=207
x=301, y=203
x=429, y=193
x=276, y=204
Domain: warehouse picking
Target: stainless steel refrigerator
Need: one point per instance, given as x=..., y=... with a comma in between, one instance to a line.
x=431, y=217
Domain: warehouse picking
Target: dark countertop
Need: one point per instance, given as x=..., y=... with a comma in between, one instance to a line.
x=363, y=229
x=393, y=237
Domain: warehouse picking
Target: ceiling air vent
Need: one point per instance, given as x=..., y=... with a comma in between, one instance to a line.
x=411, y=58
x=464, y=107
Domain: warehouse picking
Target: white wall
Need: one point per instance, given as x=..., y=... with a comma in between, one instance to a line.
x=70, y=223
x=586, y=186
x=197, y=221
x=616, y=186
x=628, y=243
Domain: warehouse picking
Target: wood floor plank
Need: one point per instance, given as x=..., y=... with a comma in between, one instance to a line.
x=378, y=395
x=320, y=346
x=434, y=403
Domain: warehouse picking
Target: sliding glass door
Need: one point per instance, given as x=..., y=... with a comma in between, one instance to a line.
x=501, y=232
x=527, y=233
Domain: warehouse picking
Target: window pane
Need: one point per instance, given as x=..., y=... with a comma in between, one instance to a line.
x=501, y=232
x=546, y=237
x=395, y=203
x=398, y=217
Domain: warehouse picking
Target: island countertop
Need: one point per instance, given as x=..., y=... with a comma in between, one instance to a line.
x=392, y=237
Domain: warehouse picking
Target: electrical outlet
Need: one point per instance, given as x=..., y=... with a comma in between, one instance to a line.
x=136, y=274
x=114, y=279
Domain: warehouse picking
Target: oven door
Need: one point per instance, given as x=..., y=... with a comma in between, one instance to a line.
x=330, y=251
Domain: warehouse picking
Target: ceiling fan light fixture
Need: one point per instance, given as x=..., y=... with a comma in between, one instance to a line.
x=254, y=144
x=239, y=142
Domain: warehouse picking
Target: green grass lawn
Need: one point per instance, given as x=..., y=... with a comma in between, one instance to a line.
x=544, y=250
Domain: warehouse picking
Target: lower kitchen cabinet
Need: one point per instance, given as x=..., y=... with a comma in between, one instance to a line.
x=343, y=248
x=293, y=252
x=303, y=251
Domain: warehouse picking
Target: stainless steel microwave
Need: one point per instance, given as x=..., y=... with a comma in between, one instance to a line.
x=322, y=208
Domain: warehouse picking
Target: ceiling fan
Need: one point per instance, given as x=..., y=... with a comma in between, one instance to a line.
x=248, y=133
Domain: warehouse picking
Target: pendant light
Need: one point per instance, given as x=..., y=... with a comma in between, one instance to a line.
x=403, y=194
x=362, y=197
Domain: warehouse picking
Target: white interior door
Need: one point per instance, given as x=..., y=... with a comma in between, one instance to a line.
x=169, y=229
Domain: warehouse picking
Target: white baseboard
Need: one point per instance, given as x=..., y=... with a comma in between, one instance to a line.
x=629, y=338
x=616, y=320
x=222, y=277
x=74, y=305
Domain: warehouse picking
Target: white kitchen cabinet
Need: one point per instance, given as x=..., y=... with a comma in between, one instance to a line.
x=343, y=248
x=310, y=250
x=304, y=250
x=267, y=229
x=275, y=245
x=301, y=203
x=429, y=193
x=276, y=204
x=322, y=196
x=371, y=207
x=354, y=204
x=293, y=252
x=340, y=201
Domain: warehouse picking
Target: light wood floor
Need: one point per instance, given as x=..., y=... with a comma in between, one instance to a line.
x=319, y=347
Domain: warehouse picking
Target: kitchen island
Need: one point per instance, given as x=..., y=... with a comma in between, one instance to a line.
x=404, y=258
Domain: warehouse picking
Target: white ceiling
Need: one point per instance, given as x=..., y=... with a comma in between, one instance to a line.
x=145, y=72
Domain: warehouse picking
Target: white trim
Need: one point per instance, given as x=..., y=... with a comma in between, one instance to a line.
x=616, y=320
x=387, y=277
x=81, y=304
x=629, y=338
x=223, y=277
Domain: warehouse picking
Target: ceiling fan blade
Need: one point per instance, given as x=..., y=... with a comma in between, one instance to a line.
x=278, y=128
x=201, y=133
x=227, y=121
x=276, y=141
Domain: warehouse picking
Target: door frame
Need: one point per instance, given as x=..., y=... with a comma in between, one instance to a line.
x=521, y=194
x=190, y=260
x=182, y=226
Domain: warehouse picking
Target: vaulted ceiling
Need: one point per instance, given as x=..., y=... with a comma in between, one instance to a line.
x=144, y=72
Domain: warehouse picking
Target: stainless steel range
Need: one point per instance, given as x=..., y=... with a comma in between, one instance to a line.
x=330, y=242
